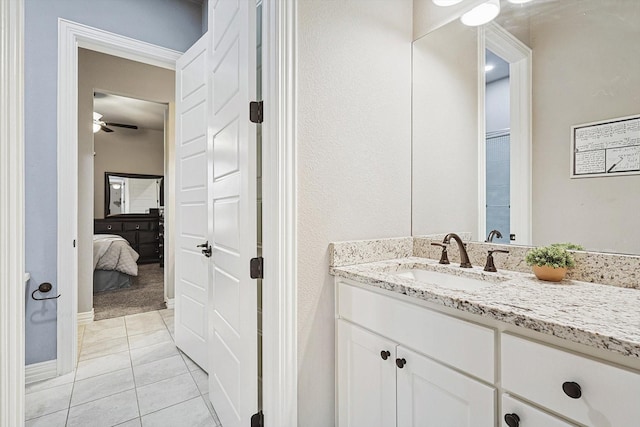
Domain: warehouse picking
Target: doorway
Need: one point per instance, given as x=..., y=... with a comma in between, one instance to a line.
x=496, y=199
x=498, y=136
x=129, y=144
x=128, y=242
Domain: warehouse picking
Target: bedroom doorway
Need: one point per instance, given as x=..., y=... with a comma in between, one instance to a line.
x=124, y=161
x=128, y=270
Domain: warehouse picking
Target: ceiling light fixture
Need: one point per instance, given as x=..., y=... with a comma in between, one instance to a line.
x=519, y=1
x=96, y=122
x=445, y=2
x=482, y=13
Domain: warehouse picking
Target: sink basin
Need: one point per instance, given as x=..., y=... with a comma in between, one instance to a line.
x=443, y=280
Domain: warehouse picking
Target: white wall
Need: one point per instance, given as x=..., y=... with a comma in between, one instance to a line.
x=354, y=160
x=128, y=151
x=586, y=68
x=445, y=131
x=497, y=101
x=175, y=24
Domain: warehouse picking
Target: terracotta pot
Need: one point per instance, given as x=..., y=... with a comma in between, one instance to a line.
x=550, y=274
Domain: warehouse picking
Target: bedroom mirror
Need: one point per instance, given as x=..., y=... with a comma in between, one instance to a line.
x=584, y=70
x=127, y=193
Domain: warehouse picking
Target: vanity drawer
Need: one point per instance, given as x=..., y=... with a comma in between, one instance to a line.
x=528, y=415
x=105, y=227
x=608, y=395
x=457, y=343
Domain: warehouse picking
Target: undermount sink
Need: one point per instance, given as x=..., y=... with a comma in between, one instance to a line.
x=443, y=280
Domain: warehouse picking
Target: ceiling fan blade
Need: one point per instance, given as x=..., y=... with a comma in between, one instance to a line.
x=106, y=129
x=120, y=125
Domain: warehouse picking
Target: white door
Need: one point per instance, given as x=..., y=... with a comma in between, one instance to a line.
x=233, y=359
x=366, y=378
x=432, y=395
x=191, y=265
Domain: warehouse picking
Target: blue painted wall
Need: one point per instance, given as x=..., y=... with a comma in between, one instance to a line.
x=175, y=24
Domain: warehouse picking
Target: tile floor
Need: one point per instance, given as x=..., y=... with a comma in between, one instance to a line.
x=129, y=373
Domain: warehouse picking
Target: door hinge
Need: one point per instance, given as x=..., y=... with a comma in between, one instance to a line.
x=256, y=268
x=257, y=420
x=255, y=111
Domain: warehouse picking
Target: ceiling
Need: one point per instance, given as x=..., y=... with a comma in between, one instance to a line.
x=130, y=111
x=500, y=67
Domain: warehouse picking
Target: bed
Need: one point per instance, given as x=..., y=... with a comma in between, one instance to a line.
x=114, y=263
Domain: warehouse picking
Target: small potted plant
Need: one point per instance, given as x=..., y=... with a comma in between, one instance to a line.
x=551, y=262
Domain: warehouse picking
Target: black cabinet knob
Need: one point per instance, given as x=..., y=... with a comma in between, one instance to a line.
x=572, y=389
x=385, y=354
x=400, y=363
x=512, y=420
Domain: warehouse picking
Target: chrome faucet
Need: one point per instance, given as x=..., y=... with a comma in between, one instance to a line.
x=464, y=257
x=492, y=234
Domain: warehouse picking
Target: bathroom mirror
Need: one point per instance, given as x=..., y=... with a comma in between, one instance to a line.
x=128, y=193
x=583, y=67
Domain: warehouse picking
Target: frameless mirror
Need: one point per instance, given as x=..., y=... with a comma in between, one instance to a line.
x=127, y=193
x=506, y=150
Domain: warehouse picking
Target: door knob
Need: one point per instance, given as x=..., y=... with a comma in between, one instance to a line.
x=385, y=354
x=512, y=420
x=571, y=389
x=401, y=362
x=207, y=249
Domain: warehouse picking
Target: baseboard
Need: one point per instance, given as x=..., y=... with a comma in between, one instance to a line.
x=86, y=317
x=170, y=303
x=40, y=371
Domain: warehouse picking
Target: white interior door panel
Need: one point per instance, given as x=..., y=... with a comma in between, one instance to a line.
x=233, y=367
x=192, y=266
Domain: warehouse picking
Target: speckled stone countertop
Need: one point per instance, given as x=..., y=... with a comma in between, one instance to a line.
x=605, y=317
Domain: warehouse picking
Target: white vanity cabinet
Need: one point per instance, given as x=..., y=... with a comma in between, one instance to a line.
x=579, y=388
x=518, y=414
x=430, y=394
x=366, y=378
x=386, y=372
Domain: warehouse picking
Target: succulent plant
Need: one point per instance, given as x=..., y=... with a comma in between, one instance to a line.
x=555, y=255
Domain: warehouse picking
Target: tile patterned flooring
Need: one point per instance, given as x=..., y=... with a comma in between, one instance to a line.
x=129, y=373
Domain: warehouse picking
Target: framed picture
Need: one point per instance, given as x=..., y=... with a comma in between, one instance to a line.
x=606, y=148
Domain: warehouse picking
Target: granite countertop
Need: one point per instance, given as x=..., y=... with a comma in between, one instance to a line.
x=600, y=316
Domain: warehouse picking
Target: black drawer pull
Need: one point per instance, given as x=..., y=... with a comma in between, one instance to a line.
x=512, y=420
x=401, y=362
x=572, y=389
x=385, y=354
x=108, y=227
x=137, y=227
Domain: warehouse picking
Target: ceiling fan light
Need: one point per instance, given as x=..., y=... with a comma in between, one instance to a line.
x=96, y=127
x=97, y=116
x=445, y=2
x=482, y=13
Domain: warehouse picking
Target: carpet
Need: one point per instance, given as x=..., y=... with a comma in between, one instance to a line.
x=145, y=294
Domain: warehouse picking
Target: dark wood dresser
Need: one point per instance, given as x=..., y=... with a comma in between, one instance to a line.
x=141, y=231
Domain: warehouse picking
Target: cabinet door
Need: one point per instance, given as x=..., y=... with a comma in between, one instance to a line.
x=366, y=381
x=432, y=395
x=526, y=415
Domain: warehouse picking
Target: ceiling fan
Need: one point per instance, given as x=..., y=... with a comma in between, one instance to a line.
x=99, y=124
